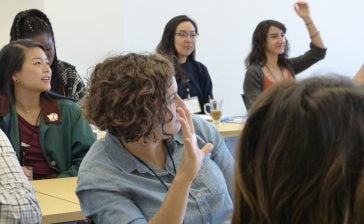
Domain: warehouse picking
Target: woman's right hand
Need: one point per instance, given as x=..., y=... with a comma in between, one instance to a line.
x=302, y=9
x=192, y=156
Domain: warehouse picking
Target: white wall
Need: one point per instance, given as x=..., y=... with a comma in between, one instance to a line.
x=8, y=10
x=88, y=30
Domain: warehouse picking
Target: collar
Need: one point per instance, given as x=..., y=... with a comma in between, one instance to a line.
x=50, y=111
x=124, y=160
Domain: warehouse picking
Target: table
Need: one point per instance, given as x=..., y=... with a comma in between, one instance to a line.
x=63, y=188
x=58, y=200
x=228, y=129
x=56, y=210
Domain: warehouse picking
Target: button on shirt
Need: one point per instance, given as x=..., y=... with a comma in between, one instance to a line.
x=114, y=187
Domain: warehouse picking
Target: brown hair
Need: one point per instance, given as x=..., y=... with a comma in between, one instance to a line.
x=300, y=156
x=12, y=57
x=167, y=47
x=127, y=95
x=257, y=54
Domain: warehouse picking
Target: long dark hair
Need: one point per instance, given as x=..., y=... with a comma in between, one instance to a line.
x=300, y=157
x=257, y=54
x=33, y=22
x=167, y=48
x=12, y=57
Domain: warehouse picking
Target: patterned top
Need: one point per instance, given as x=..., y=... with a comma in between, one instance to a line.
x=72, y=81
x=18, y=203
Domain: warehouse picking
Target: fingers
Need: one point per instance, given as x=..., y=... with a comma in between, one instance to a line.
x=300, y=5
x=192, y=150
x=206, y=149
x=301, y=2
x=26, y=171
x=189, y=120
x=296, y=7
x=187, y=113
x=186, y=130
x=189, y=148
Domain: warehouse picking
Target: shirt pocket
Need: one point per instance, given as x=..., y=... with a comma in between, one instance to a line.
x=211, y=176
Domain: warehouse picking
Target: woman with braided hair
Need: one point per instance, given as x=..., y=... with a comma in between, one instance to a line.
x=34, y=24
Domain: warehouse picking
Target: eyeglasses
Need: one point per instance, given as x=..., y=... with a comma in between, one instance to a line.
x=185, y=35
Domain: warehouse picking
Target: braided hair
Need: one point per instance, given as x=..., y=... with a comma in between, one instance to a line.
x=33, y=22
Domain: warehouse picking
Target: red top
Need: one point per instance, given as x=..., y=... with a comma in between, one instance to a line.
x=267, y=82
x=31, y=152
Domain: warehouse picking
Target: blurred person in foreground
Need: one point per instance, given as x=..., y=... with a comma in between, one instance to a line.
x=309, y=169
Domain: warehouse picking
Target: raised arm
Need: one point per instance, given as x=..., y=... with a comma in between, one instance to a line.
x=173, y=208
x=302, y=9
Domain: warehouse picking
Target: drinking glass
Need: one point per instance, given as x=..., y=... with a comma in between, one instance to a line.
x=215, y=111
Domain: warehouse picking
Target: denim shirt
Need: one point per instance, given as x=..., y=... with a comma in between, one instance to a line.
x=114, y=187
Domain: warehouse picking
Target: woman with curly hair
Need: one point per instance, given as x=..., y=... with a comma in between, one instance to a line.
x=268, y=63
x=157, y=163
x=310, y=169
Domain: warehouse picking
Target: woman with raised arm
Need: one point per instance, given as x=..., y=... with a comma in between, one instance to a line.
x=268, y=61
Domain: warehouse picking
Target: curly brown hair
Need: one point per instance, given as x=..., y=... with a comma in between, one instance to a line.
x=127, y=95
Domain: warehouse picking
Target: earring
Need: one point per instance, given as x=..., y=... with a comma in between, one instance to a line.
x=16, y=80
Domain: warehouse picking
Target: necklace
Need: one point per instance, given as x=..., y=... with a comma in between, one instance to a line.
x=154, y=173
x=31, y=115
x=23, y=108
x=273, y=76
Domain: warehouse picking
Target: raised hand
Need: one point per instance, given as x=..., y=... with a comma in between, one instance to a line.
x=302, y=9
x=192, y=156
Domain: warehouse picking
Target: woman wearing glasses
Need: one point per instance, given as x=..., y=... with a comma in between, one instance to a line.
x=178, y=43
x=268, y=63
